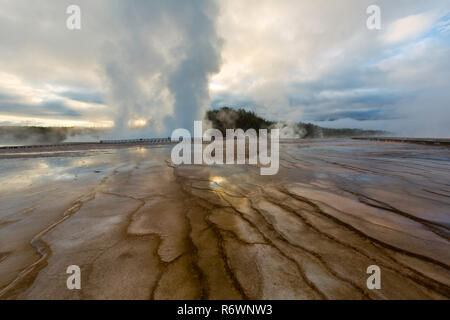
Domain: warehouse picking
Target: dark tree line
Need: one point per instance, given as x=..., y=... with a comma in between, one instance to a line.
x=229, y=118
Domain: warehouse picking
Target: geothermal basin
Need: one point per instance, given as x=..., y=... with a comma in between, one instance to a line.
x=140, y=227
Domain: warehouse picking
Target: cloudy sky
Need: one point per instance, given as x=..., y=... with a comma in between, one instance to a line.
x=160, y=64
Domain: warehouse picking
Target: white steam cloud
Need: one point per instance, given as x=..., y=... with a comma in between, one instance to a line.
x=158, y=66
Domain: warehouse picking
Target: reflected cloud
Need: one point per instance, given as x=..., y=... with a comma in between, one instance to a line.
x=216, y=181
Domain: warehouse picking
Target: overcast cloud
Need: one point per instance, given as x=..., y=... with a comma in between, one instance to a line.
x=160, y=64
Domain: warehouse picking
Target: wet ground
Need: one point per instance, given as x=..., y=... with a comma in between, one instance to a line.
x=141, y=228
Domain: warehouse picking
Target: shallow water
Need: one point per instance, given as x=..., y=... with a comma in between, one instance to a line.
x=141, y=228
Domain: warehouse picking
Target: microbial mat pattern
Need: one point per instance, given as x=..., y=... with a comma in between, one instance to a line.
x=140, y=227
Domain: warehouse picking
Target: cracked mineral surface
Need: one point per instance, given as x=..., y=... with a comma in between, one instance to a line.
x=140, y=227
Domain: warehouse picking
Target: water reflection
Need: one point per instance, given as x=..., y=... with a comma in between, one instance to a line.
x=215, y=181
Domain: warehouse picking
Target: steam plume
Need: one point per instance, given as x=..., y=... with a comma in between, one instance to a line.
x=158, y=68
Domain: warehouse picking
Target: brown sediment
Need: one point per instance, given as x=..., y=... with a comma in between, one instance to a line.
x=153, y=230
x=431, y=225
x=412, y=274
x=27, y=275
x=340, y=222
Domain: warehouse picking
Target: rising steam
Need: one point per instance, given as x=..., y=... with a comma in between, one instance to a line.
x=158, y=67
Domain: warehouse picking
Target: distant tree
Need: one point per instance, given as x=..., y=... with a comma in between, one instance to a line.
x=229, y=118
